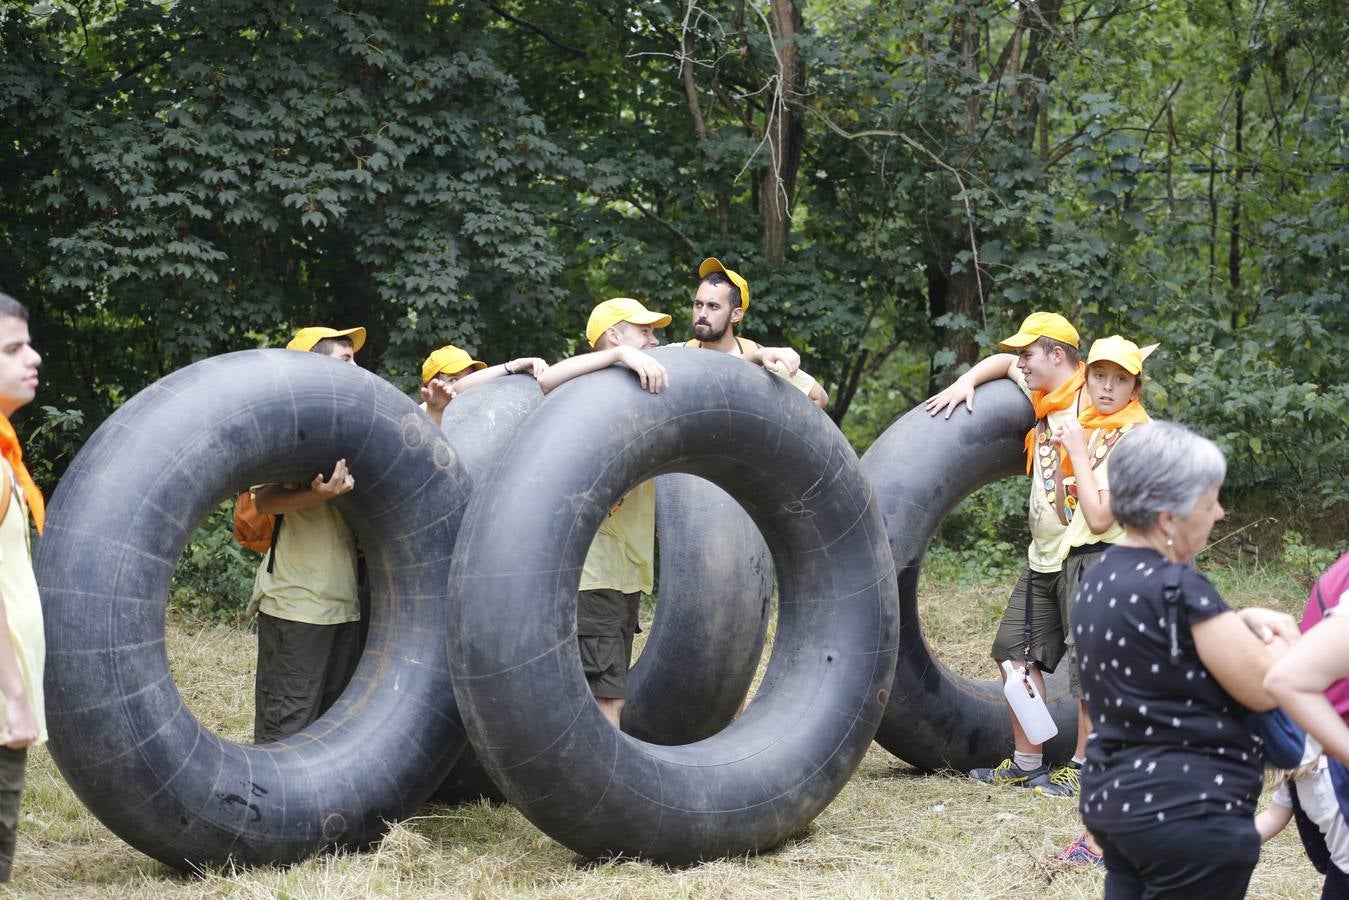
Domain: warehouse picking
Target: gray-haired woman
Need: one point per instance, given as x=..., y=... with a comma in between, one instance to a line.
x=1168, y=674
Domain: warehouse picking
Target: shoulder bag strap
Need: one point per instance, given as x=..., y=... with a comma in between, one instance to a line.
x=1171, y=598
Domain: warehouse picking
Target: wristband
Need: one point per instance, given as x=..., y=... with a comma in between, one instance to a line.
x=507, y=367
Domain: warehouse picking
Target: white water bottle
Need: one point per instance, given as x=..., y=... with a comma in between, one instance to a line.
x=1027, y=704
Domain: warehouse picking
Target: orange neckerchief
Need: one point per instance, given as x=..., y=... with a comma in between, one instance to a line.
x=13, y=454
x=1046, y=402
x=1131, y=413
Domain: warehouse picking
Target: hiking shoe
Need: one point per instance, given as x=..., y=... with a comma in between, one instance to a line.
x=1008, y=773
x=1079, y=852
x=1063, y=782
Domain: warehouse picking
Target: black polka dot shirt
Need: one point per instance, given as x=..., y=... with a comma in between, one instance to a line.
x=1168, y=742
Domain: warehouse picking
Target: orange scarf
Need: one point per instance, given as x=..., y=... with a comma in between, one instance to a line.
x=1046, y=402
x=13, y=454
x=1131, y=413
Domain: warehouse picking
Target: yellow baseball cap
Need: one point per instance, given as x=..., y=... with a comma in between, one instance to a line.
x=712, y=264
x=450, y=360
x=1121, y=351
x=1038, y=325
x=306, y=338
x=621, y=309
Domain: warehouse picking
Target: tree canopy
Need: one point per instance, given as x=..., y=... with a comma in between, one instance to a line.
x=900, y=182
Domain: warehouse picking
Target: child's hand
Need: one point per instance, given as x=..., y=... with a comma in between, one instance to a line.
x=339, y=483
x=437, y=395
x=1070, y=437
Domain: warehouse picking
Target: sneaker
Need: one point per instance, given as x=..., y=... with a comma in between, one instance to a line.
x=1063, y=782
x=1079, y=852
x=1010, y=774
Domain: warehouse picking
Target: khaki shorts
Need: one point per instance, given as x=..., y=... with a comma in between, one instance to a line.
x=606, y=621
x=1074, y=567
x=1046, y=643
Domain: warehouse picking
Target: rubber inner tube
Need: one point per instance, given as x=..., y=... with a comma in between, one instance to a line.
x=921, y=468
x=514, y=656
x=715, y=592
x=119, y=730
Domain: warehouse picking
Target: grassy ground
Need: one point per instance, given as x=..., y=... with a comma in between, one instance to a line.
x=892, y=832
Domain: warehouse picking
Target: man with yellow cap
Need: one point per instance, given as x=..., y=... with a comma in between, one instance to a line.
x=23, y=646
x=1046, y=367
x=719, y=305
x=305, y=590
x=620, y=566
x=449, y=371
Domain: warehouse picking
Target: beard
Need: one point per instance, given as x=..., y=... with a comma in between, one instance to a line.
x=707, y=333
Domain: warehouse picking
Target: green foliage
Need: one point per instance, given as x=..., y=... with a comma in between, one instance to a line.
x=1307, y=560
x=178, y=180
x=53, y=441
x=214, y=577
x=983, y=540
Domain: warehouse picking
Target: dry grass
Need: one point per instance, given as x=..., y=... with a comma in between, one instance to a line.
x=891, y=832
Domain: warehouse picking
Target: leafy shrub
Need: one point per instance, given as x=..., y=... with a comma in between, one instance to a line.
x=214, y=577
x=983, y=540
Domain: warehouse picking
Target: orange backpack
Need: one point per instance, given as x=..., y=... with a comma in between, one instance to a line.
x=252, y=529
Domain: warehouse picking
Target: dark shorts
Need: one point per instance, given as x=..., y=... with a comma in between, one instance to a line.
x=606, y=621
x=1074, y=567
x=1046, y=645
x=1190, y=859
x=12, y=763
x=302, y=670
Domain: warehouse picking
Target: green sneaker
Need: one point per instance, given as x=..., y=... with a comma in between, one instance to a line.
x=1064, y=781
x=1008, y=773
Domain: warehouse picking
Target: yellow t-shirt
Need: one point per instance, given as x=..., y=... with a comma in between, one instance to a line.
x=622, y=556
x=801, y=380
x=314, y=577
x=1078, y=533
x=23, y=609
x=1046, y=531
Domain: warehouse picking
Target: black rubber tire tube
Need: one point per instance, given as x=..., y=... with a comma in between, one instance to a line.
x=708, y=634
x=120, y=518
x=713, y=605
x=920, y=469
x=517, y=670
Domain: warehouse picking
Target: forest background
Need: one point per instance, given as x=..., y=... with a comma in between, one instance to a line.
x=901, y=182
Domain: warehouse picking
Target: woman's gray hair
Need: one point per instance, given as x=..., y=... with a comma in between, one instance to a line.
x=1161, y=467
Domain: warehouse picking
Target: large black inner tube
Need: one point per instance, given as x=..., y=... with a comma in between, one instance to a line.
x=716, y=586
x=715, y=596
x=921, y=468
x=119, y=731
x=517, y=669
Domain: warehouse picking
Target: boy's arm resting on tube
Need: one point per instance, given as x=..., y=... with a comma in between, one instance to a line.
x=999, y=365
x=649, y=372
x=437, y=394
x=278, y=499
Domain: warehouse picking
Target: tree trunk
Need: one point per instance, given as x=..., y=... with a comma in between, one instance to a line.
x=786, y=133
